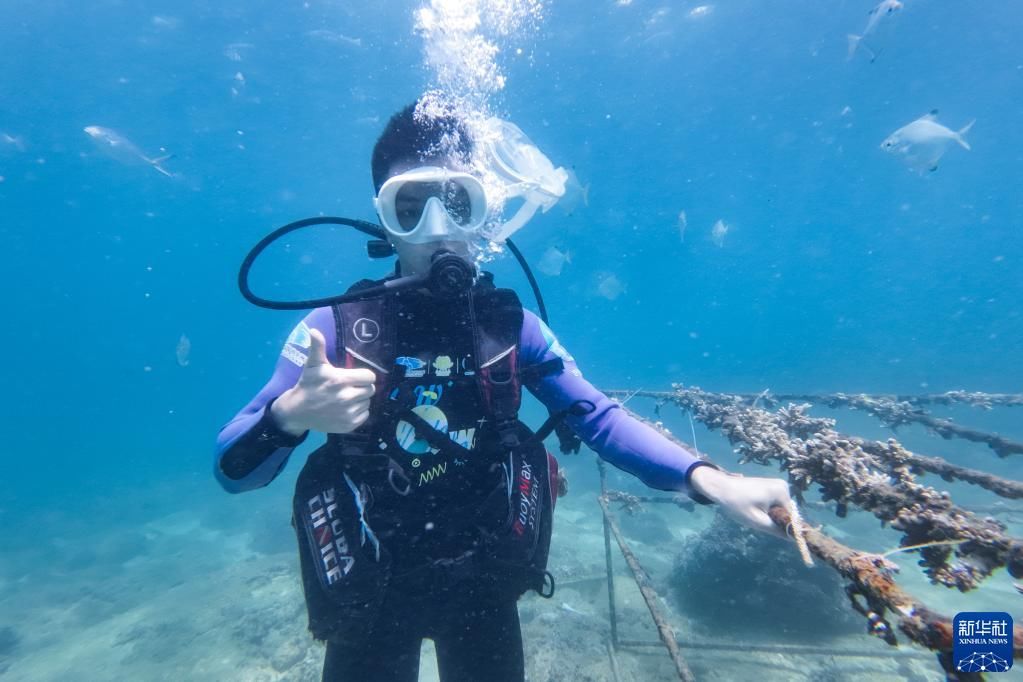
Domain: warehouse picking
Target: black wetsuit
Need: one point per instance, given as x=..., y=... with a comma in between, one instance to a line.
x=476, y=634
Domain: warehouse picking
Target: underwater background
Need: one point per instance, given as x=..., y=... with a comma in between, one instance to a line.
x=834, y=268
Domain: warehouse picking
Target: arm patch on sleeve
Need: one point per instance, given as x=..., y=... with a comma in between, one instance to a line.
x=553, y=345
x=296, y=348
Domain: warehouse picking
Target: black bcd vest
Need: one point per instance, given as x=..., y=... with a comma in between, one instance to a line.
x=443, y=486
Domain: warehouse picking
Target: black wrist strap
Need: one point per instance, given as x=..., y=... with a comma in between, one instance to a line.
x=693, y=495
x=252, y=449
x=272, y=431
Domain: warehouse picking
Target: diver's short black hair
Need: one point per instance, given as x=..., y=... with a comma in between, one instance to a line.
x=422, y=136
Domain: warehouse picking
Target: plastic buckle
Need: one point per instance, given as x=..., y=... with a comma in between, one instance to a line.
x=508, y=434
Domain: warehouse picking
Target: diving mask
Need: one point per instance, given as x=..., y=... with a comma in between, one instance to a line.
x=524, y=172
x=431, y=204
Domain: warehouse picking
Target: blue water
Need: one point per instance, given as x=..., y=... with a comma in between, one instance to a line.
x=842, y=270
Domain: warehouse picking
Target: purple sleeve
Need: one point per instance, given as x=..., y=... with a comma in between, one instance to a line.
x=251, y=449
x=618, y=438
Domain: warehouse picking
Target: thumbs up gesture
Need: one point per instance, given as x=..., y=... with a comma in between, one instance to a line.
x=326, y=398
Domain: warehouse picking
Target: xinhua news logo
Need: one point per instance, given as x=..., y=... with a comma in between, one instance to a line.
x=982, y=642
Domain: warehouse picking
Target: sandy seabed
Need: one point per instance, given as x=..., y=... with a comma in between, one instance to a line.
x=180, y=598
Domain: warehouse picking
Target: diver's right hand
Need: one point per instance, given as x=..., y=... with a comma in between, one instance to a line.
x=326, y=398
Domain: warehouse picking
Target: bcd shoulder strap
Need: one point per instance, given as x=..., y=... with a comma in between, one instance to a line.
x=497, y=326
x=366, y=335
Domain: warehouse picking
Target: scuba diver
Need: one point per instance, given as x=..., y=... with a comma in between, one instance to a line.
x=428, y=511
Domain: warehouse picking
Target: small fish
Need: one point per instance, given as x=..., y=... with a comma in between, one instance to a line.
x=12, y=141
x=333, y=37
x=239, y=84
x=123, y=150
x=884, y=9
x=575, y=194
x=610, y=287
x=718, y=233
x=236, y=51
x=700, y=11
x=553, y=261
x=922, y=143
x=183, y=350
x=682, y=224
x=169, y=23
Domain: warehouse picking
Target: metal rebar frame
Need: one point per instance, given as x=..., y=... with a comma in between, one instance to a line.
x=872, y=580
x=668, y=638
x=870, y=577
x=664, y=629
x=893, y=411
x=878, y=477
x=984, y=401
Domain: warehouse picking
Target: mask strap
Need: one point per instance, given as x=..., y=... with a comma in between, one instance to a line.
x=521, y=217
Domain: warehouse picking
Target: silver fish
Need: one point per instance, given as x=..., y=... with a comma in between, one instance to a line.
x=609, y=286
x=123, y=150
x=576, y=194
x=922, y=143
x=718, y=233
x=11, y=142
x=884, y=9
x=165, y=22
x=553, y=261
x=183, y=350
x=682, y=224
x=334, y=37
x=236, y=51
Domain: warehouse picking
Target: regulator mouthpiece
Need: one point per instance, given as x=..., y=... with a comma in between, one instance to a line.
x=450, y=275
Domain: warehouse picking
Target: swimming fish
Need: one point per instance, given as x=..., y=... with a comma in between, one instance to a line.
x=682, y=225
x=239, y=84
x=11, y=141
x=610, y=287
x=236, y=51
x=553, y=261
x=123, y=150
x=575, y=194
x=333, y=37
x=922, y=143
x=183, y=350
x=718, y=233
x=884, y=9
x=169, y=23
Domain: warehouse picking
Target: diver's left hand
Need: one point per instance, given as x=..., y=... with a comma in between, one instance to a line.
x=744, y=499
